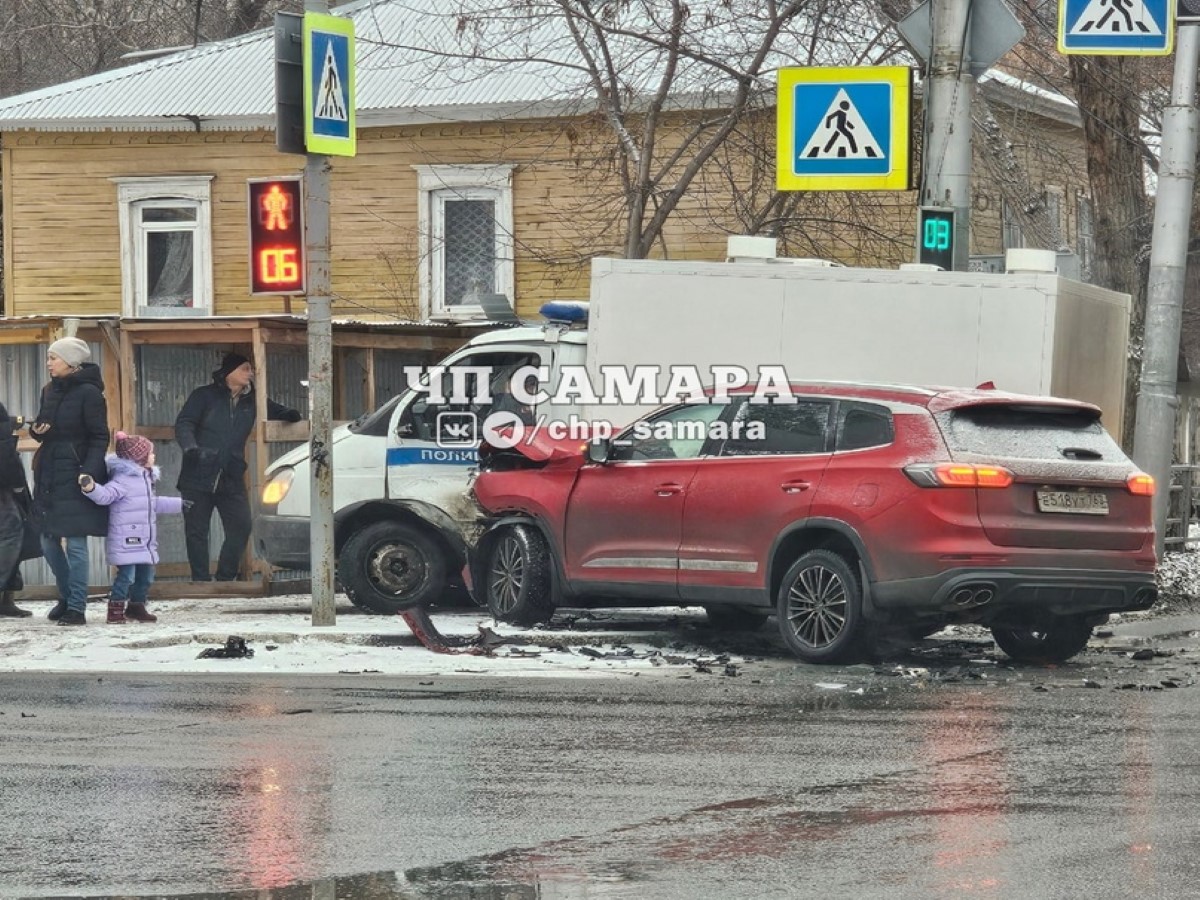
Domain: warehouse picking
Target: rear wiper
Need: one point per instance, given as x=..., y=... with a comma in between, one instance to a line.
x=1081, y=453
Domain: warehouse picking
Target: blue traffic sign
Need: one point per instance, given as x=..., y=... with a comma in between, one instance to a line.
x=329, y=125
x=844, y=128
x=1116, y=27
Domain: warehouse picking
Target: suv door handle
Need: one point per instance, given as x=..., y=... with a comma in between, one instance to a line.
x=666, y=490
x=795, y=487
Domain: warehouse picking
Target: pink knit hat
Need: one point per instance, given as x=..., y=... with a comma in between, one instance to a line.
x=134, y=447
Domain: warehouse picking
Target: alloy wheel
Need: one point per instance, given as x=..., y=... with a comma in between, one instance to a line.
x=816, y=606
x=507, y=576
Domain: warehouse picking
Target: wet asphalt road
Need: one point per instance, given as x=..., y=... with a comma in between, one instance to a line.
x=667, y=787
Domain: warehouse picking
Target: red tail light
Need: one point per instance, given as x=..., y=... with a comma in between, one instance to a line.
x=1140, y=484
x=959, y=475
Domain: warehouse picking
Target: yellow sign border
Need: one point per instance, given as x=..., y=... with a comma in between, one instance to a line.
x=899, y=178
x=1100, y=51
x=319, y=143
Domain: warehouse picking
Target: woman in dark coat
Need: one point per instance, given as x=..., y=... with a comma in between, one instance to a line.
x=72, y=426
x=13, y=502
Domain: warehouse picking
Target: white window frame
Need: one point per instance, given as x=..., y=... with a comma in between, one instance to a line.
x=435, y=185
x=138, y=193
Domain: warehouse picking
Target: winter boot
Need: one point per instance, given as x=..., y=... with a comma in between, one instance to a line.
x=57, y=613
x=71, y=617
x=9, y=608
x=138, y=613
x=116, y=612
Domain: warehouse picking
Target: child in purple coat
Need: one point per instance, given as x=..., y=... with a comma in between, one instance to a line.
x=132, y=542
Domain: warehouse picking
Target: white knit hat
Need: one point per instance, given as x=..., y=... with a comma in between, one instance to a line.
x=72, y=351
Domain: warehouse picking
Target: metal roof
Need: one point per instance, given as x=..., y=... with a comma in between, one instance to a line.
x=417, y=61
x=230, y=84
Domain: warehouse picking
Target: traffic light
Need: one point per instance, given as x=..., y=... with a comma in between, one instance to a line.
x=276, y=207
x=289, y=83
x=935, y=237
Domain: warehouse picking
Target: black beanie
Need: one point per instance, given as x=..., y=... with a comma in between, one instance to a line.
x=229, y=363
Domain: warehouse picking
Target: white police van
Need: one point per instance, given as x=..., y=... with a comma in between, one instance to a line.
x=402, y=514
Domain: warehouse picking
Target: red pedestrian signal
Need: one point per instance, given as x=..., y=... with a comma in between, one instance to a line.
x=276, y=208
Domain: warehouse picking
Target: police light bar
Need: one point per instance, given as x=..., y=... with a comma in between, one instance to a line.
x=571, y=312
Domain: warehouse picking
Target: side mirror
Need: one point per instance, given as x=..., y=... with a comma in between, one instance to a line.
x=597, y=451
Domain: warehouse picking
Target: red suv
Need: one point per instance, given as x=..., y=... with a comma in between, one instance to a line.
x=853, y=510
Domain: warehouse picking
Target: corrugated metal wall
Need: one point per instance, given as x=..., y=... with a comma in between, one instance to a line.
x=24, y=368
x=166, y=376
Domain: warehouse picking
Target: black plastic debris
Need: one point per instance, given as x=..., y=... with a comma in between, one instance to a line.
x=235, y=648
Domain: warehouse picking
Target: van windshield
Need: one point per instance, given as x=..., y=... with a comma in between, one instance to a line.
x=375, y=424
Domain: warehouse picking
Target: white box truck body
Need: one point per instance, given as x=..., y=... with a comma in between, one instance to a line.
x=403, y=515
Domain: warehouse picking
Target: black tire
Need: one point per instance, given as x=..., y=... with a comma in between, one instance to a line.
x=735, y=618
x=819, y=609
x=1051, y=642
x=388, y=567
x=517, y=584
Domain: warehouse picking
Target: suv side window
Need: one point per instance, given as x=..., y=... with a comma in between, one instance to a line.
x=864, y=425
x=678, y=433
x=768, y=429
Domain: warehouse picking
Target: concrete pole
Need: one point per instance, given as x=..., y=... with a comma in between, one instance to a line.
x=320, y=375
x=949, y=93
x=1157, y=402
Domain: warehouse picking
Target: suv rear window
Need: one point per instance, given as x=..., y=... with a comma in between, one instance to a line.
x=1029, y=432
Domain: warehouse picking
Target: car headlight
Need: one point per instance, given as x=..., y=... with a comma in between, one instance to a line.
x=277, y=488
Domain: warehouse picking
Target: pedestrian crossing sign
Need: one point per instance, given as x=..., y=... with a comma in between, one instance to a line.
x=1116, y=27
x=844, y=129
x=329, y=126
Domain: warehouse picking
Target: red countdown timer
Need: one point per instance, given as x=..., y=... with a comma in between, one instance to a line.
x=276, y=236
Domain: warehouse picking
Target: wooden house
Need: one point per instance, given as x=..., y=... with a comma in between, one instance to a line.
x=125, y=193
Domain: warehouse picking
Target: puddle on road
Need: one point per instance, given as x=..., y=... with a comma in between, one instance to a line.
x=476, y=880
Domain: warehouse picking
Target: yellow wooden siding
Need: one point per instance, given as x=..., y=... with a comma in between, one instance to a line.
x=63, y=243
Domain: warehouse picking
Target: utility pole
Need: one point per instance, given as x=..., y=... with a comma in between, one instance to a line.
x=950, y=90
x=320, y=375
x=1157, y=402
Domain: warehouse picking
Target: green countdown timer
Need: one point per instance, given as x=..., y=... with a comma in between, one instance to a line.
x=936, y=237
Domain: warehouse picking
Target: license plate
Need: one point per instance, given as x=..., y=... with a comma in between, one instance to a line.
x=1089, y=503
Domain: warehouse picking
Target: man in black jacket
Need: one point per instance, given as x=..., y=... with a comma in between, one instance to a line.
x=212, y=429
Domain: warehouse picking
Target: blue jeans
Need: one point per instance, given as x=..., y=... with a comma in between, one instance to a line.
x=132, y=582
x=70, y=568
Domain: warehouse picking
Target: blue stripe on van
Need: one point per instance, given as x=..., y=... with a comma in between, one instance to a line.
x=432, y=456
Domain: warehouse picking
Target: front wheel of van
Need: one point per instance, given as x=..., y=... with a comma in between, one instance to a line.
x=389, y=567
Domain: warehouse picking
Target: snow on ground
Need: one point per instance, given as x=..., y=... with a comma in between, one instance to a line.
x=1178, y=578
x=280, y=632
x=606, y=643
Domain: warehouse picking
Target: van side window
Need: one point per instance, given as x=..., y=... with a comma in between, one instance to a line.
x=863, y=426
x=766, y=429
x=449, y=423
